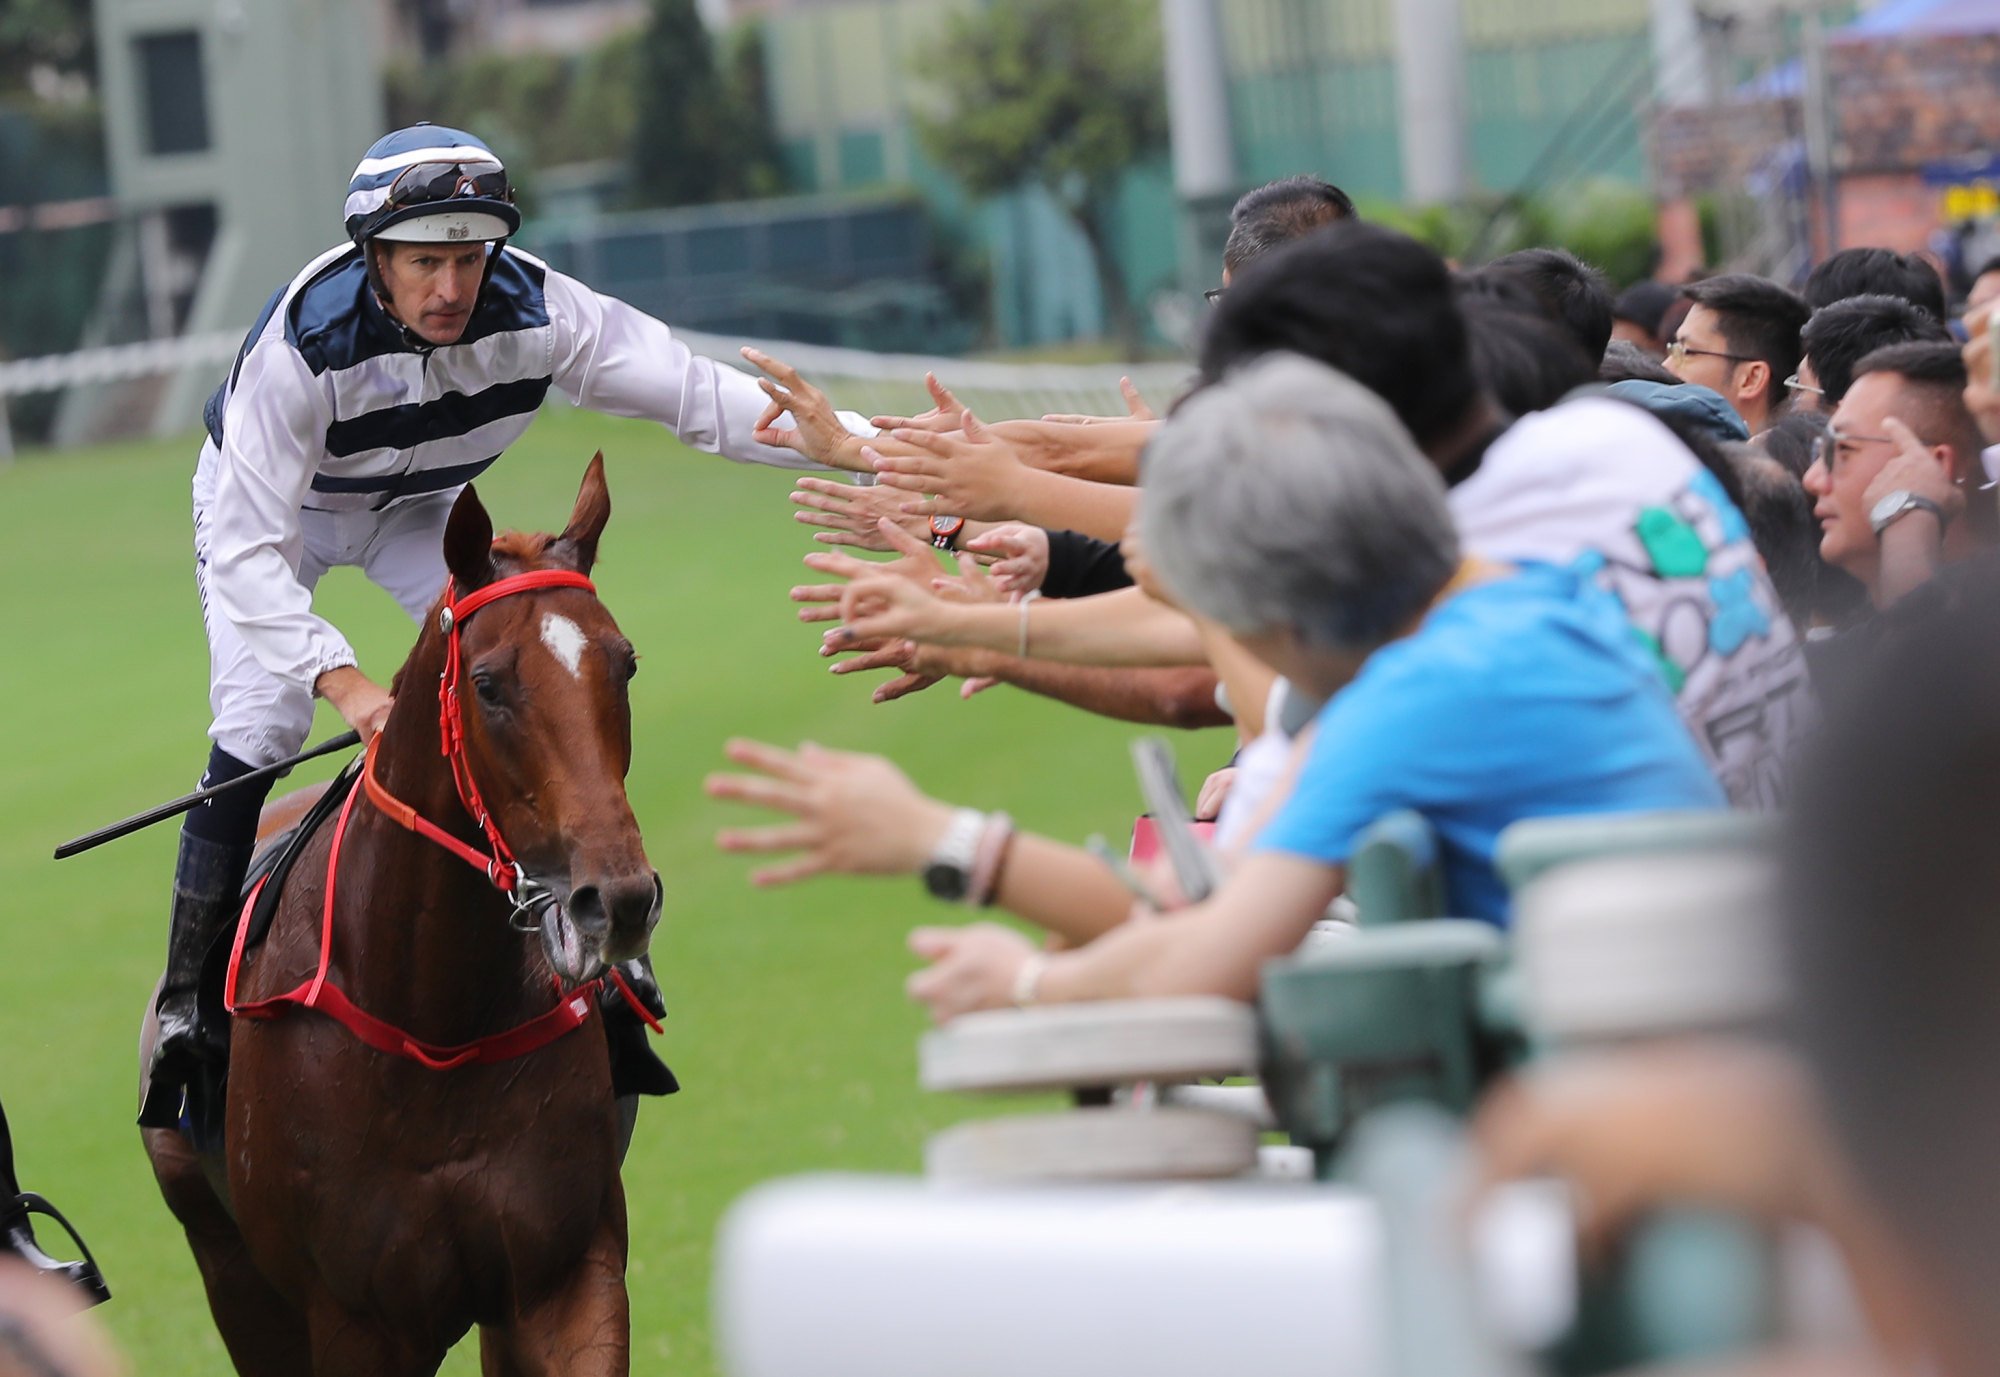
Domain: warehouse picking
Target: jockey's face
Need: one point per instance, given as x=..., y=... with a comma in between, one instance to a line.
x=432, y=287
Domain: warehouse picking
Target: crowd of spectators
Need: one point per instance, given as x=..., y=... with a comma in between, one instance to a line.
x=1488, y=544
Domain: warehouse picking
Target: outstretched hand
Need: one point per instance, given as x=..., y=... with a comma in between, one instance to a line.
x=849, y=512
x=944, y=417
x=915, y=561
x=971, y=473
x=1020, y=555
x=971, y=968
x=855, y=814
x=816, y=431
x=1136, y=409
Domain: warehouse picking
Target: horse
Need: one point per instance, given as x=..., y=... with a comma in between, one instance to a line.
x=381, y=1193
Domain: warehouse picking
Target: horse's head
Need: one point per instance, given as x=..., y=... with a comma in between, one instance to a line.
x=548, y=730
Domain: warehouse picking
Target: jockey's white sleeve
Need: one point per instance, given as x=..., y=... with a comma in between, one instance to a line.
x=614, y=358
x=273, y=438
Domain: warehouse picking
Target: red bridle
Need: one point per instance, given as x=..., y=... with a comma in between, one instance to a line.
x=499, y=866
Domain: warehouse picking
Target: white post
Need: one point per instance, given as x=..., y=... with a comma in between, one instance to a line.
x=1430, y=98
x=1680, y=67
x=1198, y=99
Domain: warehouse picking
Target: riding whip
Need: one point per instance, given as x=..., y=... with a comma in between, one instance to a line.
x=200, y=796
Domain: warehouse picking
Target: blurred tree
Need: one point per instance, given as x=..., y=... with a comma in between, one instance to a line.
x=683, y=140
x=1064, y=93
x=53, y=34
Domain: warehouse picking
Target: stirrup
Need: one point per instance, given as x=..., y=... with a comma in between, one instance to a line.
x=18, y=1238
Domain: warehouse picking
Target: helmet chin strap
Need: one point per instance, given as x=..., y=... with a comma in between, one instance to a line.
x=382, y=295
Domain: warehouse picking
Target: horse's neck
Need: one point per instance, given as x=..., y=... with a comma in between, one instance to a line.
x=421, y=938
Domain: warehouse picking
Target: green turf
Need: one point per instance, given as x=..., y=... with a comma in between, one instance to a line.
x=787, y=1022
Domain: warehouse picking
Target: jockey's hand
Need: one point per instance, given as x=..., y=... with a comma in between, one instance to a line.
x=361, y=702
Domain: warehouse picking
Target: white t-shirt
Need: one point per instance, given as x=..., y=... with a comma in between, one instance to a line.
x=1599, y=486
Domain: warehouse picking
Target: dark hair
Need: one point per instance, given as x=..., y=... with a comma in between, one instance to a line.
x=1643, y=303
x=1524, y=359
x=1758, y=319
x=1920, y=361
x=1625, y=361
x=1790, y=440
x=1570, y=290
x=1888, y=892
x=1837, y=336
x=1875, y=272
x=1779, y=513
x=1279, y=212
x=1375, y=304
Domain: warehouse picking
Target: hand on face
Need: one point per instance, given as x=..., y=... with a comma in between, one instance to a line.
x=1916, y=468
x=856, y=814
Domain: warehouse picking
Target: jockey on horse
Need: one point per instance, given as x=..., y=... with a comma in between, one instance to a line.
x=386, y=375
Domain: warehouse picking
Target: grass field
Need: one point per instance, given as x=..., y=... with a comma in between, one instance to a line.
x=787, y=1023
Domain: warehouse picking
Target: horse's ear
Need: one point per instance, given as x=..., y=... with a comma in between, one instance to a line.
x=586, y=522
x=468, y=542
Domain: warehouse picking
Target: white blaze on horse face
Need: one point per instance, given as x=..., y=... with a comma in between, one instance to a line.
x=564, y=638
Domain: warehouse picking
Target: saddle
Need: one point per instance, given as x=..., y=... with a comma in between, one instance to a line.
x=636, y=1069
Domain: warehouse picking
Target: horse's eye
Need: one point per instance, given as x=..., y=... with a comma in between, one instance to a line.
x=487, y=687
x=631, y=664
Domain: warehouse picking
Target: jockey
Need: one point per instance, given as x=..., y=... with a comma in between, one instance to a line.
x=385, y=376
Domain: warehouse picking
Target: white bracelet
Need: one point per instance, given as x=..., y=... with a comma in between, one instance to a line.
x=1027, y=980
x=1021, y=651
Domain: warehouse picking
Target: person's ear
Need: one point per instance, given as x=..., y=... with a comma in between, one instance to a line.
x=1755, y=378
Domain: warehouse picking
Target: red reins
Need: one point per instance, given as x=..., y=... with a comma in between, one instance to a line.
x=499, y=867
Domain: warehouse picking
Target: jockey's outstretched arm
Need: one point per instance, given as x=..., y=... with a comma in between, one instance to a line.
x=614, y=358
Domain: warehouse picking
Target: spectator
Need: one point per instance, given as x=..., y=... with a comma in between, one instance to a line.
x=1742, y=339
x=1895, y=469
x=1898, y=821
x=1637, y=313
x=1526, y=361
x=1625, y=361
x=1876, y=272
x=1288, y=505
x=1793, y=440
x=1780, y=513
x=1277, y=213
x=1837, y=336
x=1570, y=290
x=1593, y=484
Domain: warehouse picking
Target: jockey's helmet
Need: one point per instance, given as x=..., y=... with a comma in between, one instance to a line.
x=429, y=184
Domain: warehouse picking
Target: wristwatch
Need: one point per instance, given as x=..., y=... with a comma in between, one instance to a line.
x=1899, y=503
x=948, y=875
x=945, y=531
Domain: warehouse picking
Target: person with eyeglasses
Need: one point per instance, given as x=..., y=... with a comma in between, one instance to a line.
x=1899, y=490
x=1740, y=338
x=386, y=375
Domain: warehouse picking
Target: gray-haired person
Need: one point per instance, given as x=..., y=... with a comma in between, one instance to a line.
x=1287, y=504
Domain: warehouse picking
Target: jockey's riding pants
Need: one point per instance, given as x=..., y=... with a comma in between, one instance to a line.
x=258, y=718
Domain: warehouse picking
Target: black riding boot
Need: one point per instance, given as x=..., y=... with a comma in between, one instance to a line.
x=208, y=880
x=17, y=1235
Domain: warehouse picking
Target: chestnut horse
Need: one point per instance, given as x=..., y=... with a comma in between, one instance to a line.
x=380, y=1203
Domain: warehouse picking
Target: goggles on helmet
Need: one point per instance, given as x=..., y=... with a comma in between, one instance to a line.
x=426, y=183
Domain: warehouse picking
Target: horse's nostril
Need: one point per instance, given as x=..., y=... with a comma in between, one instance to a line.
x=586, y=908
x=634, y=903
